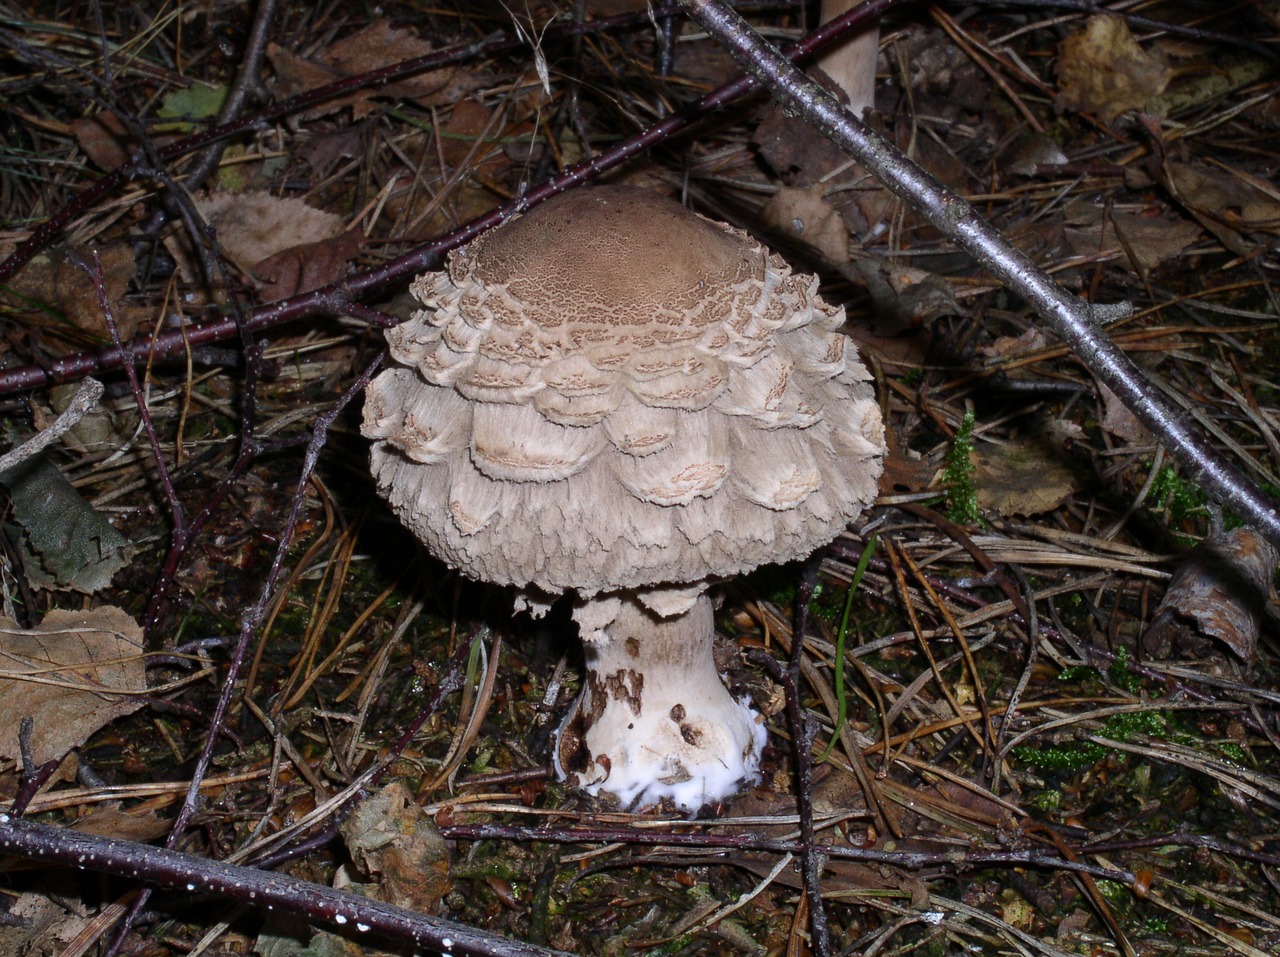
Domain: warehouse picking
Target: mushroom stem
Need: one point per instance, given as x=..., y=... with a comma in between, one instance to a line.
x=654, y=720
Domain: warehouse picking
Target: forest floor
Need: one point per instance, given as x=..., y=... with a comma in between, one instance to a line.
x=1050, y=706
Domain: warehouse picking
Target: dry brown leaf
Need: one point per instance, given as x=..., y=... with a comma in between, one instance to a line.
x=397, y=856
x=796, y=152
x=905, y=298
x=300, y=269
x=1120, y=421
x=255, y=226
x=113, y=820
x=803, y=215
x=59, y=285
x=42, y=924
x=104, y=139
x=1229, y=204
x=74, y=673
x=394, y=844
x=460, y=140
x=372, y=48
x=1143, y=239
x=1026, y=478
x=1219, y=592
x=1103, y=70
x=1015, y=347
x=323, y=151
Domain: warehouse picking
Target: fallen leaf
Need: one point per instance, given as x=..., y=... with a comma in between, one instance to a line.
x=796, y=152
x=309, y=266
x=1219, y=591
x=1031, y=152
x=1142, y=239
x=104, y=139
x=1026, y=477
x=112, y=819
x=42, y=924
x=372, y=48
x=253, y=227
x=394, y=844
x=802, y=215
x=1103, y=70
x=1015, y=347
x=59, y=286
x=1120, y=421
x=460, y=138
x=323, y=150
x=66, y=542
x=105, y=427
x=396, y=856
x=185, y=106
x=905, y=298
x=1232, y=205
x=73, y=674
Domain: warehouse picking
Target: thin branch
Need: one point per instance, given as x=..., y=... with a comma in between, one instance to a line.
x=366, y=920
x=1075, y=321
x=337, y=297
x=911, y=860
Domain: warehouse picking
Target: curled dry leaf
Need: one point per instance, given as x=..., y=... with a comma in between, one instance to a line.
x=1103, y=70
x=394, y=844
x=74, y=673
x=1220, y=591
x=905, y=299
x=397, y=856
x=41, y=924
x=1120, y=421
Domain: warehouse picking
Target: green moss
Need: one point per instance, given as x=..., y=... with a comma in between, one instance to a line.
x=1049, y=800
x=957, y=476
x=1120, y=674
x=1062, y=758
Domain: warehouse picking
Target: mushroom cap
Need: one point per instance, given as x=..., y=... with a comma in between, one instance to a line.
x=613, y=392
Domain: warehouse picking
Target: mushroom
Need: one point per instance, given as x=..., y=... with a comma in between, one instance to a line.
x=613, y=396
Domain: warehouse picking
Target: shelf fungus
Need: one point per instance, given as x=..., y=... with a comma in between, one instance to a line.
x=615, y=397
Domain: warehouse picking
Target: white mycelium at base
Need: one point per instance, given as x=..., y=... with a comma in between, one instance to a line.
x=654, y=720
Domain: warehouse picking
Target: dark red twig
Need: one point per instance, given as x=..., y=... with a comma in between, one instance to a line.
x=336, y=297
x=179, y=524
x=363, y=919
x=251, y=621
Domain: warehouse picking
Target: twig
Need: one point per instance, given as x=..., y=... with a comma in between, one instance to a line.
x=179, y=530
x=361, y=917
x=336, y=297
x=250, y=622
x=813, y=858
x=247, y=81
x=1070, y=317
x=911, y=860
x=86, y=398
